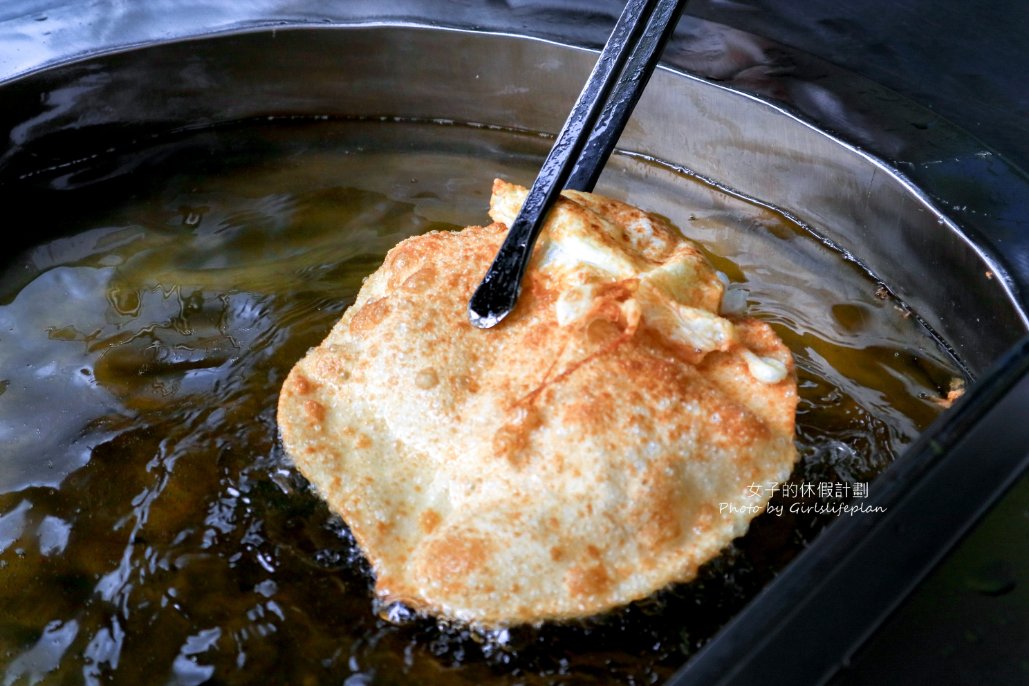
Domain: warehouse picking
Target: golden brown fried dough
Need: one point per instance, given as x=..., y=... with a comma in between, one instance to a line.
x=597, y=445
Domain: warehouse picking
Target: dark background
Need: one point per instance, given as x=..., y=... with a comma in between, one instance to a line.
x=967, y=61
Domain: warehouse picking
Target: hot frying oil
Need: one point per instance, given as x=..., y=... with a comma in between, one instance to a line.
x=151, y=528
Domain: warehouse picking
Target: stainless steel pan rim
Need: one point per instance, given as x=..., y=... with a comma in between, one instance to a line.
x=874, y=214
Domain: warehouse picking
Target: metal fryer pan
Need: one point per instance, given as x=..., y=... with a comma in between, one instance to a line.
x=853, y=199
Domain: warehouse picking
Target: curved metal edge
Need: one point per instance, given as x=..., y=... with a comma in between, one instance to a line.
x=1015, y=292
x=39, y=37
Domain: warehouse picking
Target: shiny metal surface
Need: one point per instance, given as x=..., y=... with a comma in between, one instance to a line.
x=960, y=61
x=939, y=265
x=759, y=150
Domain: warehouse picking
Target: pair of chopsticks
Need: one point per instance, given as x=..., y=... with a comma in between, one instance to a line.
x=582, y=147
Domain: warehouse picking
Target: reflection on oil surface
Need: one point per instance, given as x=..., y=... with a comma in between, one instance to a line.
x=151, y=527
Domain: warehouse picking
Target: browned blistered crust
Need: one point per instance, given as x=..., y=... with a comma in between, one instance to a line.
x=534, y=471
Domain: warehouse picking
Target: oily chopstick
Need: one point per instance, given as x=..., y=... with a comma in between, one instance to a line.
x=627, y=91
x=612, y=90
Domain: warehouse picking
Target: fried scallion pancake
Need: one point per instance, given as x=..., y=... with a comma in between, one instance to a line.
x=599, y=444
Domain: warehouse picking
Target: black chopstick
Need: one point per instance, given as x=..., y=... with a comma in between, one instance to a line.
x=626, y=94
x=611, y=90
